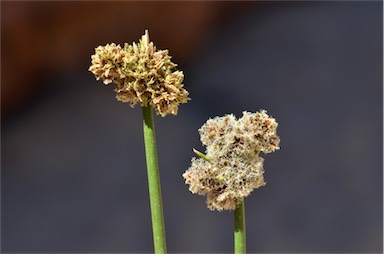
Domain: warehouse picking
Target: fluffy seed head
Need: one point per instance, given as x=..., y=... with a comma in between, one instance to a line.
x=142, y=74
x=234, y=168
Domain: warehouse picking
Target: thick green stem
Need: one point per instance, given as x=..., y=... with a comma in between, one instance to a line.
x=240, y=247
x=154, y=182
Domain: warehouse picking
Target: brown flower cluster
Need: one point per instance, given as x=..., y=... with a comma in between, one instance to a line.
x=232, y=167
x=142, y=74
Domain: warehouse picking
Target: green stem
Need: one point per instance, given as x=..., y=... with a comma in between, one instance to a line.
x=240, y=247
x=154, y=182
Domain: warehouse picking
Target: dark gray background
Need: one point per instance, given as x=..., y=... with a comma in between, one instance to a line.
x=73, y=167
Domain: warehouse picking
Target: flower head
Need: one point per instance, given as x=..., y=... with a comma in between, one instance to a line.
x=142, y=74
x=232, y=167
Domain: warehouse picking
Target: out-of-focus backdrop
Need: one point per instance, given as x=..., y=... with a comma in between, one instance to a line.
x=73, y=175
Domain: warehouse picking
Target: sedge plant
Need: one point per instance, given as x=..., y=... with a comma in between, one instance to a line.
x=231, y=168
x=146, y=76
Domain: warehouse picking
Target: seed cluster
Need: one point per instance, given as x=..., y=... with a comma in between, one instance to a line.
x=142, y=74
x=232, y=167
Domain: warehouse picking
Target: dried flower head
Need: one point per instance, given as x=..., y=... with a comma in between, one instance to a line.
x=232, y=167
x=142, y=74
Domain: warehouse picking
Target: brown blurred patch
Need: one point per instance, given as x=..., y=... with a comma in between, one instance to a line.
x=47, y=37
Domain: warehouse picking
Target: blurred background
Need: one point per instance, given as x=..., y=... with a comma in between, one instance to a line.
x=73, y=175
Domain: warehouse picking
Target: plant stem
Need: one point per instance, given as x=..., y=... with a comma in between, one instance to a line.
x=154, y=181
x=240, y=247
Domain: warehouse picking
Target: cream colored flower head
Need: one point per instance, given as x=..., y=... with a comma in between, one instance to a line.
x=232, y=168
x=142, y=74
